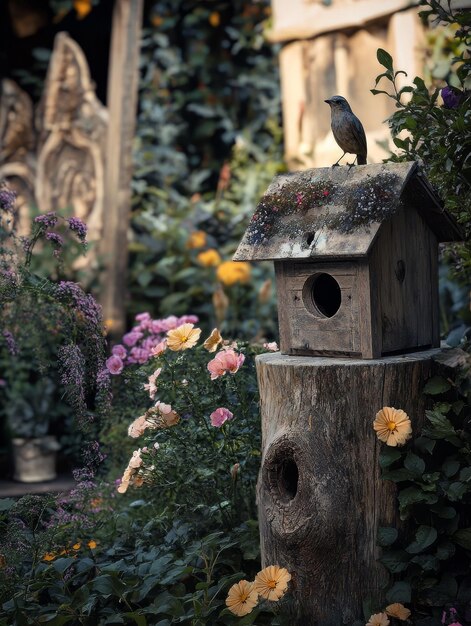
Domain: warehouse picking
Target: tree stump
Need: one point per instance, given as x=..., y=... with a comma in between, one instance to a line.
x=320, y=495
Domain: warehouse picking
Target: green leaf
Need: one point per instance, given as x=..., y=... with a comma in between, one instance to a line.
x=445, y=550
x=414, y=464
x=427, y=562
x=388, y=456
x=140, y=620
x=450, y=467
x=386, y=536
x=456, y=491
x=395, y=560
x=412, y=495
x=384, y=59
x=436, y=385
x=424, y=444
x=442, y=593
x=424, y=537
x=463, y=538
x=399, y=592
x=60, y=565
x=398, y=475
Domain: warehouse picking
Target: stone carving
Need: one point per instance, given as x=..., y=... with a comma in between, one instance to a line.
x=57, y=162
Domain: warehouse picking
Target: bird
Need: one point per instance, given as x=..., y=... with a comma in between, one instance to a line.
x=347, y=129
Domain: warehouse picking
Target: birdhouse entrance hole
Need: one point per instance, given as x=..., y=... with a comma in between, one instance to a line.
x=322, y=295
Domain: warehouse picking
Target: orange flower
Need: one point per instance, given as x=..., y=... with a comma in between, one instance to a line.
x=83, y=8
x=92, y=544
x=214, y=19
x=76, y=546
x=197, y=239
x=392, y=426
x=398, y=610
x=242, y=598
x=232, y=272
x=213, y=341
x=209, y=258
x=49, y=556
x=378, y=619
x=183, y=337
x=272, y=582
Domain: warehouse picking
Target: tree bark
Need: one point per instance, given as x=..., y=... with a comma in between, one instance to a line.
x=320, y=495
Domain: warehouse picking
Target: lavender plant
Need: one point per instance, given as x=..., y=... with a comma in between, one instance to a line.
x=51, y=330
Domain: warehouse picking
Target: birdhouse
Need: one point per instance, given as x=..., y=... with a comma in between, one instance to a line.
x=356, y=258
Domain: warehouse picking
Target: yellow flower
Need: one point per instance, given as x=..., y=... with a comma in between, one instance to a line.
x=378, y=619
x=271, y=583
x=183, y=337
x=197, y=239
x=392, y=426
x=83, y=8
x=49, y=556
x=92, y=544
x=214, y=19
x=242, y=598
x=76, y=546
x=398, y=610
x=209, y=258
x=213, y=341
x=232, y=272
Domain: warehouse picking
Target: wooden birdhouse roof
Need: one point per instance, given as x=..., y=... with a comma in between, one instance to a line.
x=336, y=212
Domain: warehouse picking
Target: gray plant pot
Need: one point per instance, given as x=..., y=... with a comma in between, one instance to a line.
x=35, y=459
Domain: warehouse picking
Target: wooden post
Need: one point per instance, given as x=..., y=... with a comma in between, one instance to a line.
x=122, y=99
x=320, y=495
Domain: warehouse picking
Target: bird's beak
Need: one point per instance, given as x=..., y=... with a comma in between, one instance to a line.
x=327, y=101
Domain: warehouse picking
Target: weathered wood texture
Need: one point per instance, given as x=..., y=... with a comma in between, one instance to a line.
x=122, y=101
x=320, y=496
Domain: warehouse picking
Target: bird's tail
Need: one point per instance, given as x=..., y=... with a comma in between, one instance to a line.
x=361, y=159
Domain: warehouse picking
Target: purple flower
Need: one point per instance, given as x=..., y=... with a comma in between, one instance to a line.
x=10, y=342
x=114, y=365
x=55, y=239
x=79, y=228
x=48, y=220
x=451, y=97
x=130, y=339
x=142, y=317
x=120, y=351
x=188, y=319
x=7, y=198
x=219, y=416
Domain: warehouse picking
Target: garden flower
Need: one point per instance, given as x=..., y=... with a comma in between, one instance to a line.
x=114, y=364
x=272, y=582
x=213, y=341
x=398, y=610
x=119, y=350
x=92, y=544
x=183, y=337
x=135, y=460
x=137, y=428
x=209, y=258
x=392, y=426
x=378, y=619
x=130, y=339
x=197, y=239
x=231, y=272
x=49, y=556
x=225, y=361
x=219, y=416
x=76, y=546
x=79, y=228
x=451, y=97
x=271, y=347
x=159, y=348
x=242, y=598
x=151, y=387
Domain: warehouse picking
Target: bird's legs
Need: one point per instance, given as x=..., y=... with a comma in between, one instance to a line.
x=336, y=164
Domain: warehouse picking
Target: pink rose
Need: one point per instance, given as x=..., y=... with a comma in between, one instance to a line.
x=120, y=351
x=142, y=317
x=130, y=339
x=219, y=416
x=114, y=365
x=272, y=347
x=188, y=319
x=225, y=361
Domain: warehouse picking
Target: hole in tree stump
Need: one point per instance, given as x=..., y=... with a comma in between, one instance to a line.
x=322, y=295
x=310, y=238
x=283, y=475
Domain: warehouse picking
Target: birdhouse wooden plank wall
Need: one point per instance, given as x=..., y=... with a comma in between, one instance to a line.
x=356, y=258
